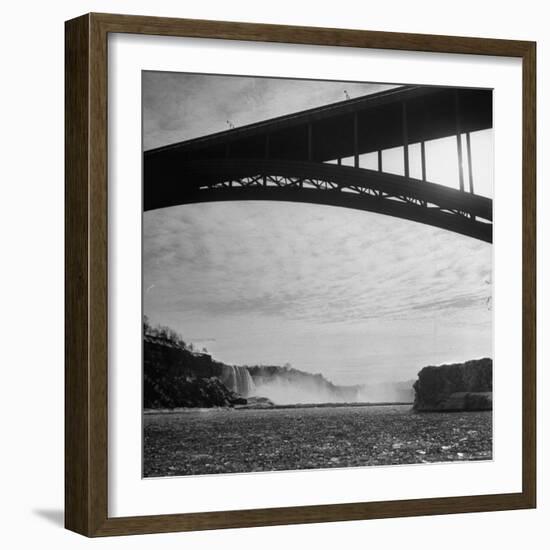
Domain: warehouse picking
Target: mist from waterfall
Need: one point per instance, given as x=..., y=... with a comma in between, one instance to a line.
x=286, y=392
x=289, y=386
x=285, y=387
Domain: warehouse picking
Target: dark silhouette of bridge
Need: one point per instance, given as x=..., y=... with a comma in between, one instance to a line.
x=298, y=157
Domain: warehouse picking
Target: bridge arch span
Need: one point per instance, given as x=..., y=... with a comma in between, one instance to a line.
x=321, y=183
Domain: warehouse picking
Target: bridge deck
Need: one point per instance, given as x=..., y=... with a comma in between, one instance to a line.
x=431, y=114
x=291, y=153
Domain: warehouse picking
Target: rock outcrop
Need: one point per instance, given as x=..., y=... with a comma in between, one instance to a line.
x=177, y=377
x=456, y=387
x=187, y=391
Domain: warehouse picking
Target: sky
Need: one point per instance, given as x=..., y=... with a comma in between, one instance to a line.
x=357, y=296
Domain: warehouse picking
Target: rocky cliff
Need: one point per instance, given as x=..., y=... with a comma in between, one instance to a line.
x=455, y=387
x=177, y=377
x=187, y=391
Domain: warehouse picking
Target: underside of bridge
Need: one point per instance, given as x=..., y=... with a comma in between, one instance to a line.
x=298, y=158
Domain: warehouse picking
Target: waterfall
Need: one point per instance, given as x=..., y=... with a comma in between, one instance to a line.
x=238, y=379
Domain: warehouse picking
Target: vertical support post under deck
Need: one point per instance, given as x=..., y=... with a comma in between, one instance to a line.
x=380, y=161
x=423, y=159
x=355, y=140
x=405, y=139
x=266, y=152
x=339, y=162
x=459, y=143
x=470, y=169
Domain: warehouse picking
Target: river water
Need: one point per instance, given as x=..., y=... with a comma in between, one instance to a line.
x=214, y=441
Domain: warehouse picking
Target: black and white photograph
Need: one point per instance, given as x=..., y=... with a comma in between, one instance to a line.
x=317, y=274
x=274, y=275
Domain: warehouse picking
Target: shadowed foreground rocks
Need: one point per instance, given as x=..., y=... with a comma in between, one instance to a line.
x=456, y=387
x=231, y=440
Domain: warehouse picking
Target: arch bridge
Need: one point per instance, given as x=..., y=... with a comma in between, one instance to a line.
x=299, y=158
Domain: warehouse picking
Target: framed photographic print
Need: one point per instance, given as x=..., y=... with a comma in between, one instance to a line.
x=300, y=275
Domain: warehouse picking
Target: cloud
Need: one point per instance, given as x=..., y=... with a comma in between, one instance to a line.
x=314, y=263
x=180, y=106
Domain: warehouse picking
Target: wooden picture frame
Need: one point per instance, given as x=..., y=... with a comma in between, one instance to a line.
x=86, y=230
